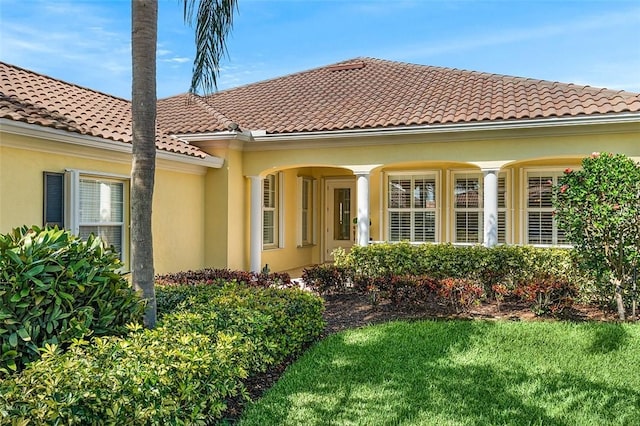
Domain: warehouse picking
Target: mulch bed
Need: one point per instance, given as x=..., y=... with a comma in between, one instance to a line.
x=354, y=310
x=349, y=311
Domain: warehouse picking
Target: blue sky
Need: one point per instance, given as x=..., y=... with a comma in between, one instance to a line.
x=87, y=42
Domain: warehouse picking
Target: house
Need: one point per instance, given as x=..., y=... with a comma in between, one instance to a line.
x=284, y=171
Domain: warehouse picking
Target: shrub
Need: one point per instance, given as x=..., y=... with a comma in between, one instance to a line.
x=547, y=294
x=500, y=293
x=54, y=288
x=149, y=378
x=598, y=207
x=181, y=372
x=328, y=279
x=295, y=316
x=213, y=276
x=415, y=291
x=460, y=293
x=381, y=259
x=506, y=265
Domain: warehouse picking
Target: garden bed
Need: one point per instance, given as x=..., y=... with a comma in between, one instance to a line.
x=347, y=311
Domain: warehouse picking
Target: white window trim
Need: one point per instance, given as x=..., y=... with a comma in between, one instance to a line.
x=439, y=194
x=524, y=208
x=72, y=203
x=301, y=180
x=314, y=213
x=280, y=201
x=279, y=211
x=451, y=219
x=509, y=186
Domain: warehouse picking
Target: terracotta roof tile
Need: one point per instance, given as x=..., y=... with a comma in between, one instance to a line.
x=37, y=99
x=371, y=93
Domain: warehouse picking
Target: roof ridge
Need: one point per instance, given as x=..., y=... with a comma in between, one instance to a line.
x=220, y=117
x=492, y=75
x=271, y=79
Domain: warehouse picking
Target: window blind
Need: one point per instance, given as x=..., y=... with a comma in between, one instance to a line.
x=411, y=202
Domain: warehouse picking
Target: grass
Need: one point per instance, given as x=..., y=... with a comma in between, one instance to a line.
x=462, y=373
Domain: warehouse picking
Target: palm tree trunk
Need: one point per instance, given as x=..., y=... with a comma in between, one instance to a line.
x=144, y=25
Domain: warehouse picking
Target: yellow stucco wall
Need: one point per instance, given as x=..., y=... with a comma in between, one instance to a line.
x=226, y=214
x=178, y=221
x=178, y=208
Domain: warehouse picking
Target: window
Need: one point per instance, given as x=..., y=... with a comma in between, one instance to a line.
x=411, y=201
x=85, y=203
x=270, y=211
x=502, y=209
x=101, y=210
x=468, y=200
x=541, y=227
x=306, y=216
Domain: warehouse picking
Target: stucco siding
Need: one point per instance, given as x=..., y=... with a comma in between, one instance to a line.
x=178, y=209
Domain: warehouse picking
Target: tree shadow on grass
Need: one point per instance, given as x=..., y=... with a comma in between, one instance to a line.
x=401, y=373
x=608, y=338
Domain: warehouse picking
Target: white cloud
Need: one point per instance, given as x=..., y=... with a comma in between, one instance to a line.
x=85, y=43
x=177, y=60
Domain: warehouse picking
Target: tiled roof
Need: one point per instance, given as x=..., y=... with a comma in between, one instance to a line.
x=365, y=93
x=37, y=99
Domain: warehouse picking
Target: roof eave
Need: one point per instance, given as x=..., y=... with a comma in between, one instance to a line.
x=41, y=132
x=226, y=135
x=620, y=118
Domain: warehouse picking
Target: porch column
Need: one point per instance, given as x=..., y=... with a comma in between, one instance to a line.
x=363, y=207
x=490, y=207
x=255, y=238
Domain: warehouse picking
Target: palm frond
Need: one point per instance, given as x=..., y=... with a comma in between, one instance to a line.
x=212, y=20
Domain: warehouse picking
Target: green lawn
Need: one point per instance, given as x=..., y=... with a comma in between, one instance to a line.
x=462, y=373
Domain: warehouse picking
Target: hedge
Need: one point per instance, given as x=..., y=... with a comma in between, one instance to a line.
x=504, y=264
x=455, y=277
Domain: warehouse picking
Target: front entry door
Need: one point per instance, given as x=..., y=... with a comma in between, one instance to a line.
x=340, y=198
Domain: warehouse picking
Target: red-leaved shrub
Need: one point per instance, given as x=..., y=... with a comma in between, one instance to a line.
x=460, y=293
x=214, y=276
x=548, y=295
x=328, y=279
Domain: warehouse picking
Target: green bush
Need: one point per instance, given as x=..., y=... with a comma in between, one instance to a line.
x=294, y=316
x=505, y=265
x=181, y=372
x=54, y=288
x=598, y=207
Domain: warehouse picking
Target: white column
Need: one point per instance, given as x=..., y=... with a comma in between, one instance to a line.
x=255, y=238
x=363, y=208
x=490, y=207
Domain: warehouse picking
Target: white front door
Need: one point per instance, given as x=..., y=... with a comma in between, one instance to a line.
x=340, y=210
